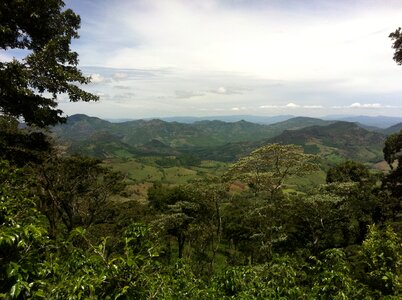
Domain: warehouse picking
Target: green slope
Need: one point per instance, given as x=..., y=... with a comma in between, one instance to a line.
x=104, y=139
x=342, y=139
x=217, y=140
x=393, y=129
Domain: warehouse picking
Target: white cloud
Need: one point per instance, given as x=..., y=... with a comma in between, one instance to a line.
x=221, y=90
x=187, y=48
x=186, y=35
x=238, y=108
x=227, y=90
x=366, y=105
x=393, y=106
x=358, y=105
x=97, y=78
x=292, y=105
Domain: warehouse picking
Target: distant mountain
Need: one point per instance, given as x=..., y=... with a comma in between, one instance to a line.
x=81, y=126
x=217, y=140
x=393, y=129
x=134, y=136
x=119, y=120
x=300, y=122
x=235, y=118
x=372, y=121
x=335, y=142
x=344, y=139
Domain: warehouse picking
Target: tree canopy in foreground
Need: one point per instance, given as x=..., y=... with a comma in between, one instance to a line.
x=42, y=30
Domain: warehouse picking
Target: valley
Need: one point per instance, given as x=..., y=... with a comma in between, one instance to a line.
x=173, y=153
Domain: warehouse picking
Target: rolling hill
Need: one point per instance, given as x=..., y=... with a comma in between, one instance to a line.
x=100, y=138
x=216, y=140
x=380, y=122
x=343, y=139
x=393, y=129
x=334, y=142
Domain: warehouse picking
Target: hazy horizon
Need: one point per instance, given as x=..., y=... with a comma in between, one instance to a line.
x=244, y=115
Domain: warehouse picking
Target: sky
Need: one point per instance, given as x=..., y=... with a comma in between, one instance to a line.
x=158, y=58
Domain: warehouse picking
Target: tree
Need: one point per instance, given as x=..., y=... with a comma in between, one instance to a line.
x=393, y=156
x=29, y=87
x=191, y=214
x=267, y=167
x=393, y=144
x=74, y=190
x=21, y=145
x=396, y=37
x=177, y=212
x=315, y=221
x=22, y=234
x=350, y=171
x=381, y=255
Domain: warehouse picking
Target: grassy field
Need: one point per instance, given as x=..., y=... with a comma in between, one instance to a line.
x=141, y=173
x=303, y=184
x=147, y=170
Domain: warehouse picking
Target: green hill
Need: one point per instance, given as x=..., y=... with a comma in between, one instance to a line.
x=80, y=127
x=100, y=138
x=217, y=140
x=341, y=139
x=393, y=129
x=335, y=142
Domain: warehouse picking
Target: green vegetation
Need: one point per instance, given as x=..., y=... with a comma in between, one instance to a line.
x=169, y=170
x=343, y=139
x=29, y=87
x=73, y=230
x=219, y=141
x=267, y=168
x=176, y=226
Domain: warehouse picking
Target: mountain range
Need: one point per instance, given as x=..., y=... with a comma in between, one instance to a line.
x=219, y=140
x=373, y=122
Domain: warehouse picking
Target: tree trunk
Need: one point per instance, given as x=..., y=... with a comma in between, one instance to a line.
x=180, y=239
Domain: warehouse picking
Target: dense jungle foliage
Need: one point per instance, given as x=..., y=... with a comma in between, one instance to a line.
x=63, y=235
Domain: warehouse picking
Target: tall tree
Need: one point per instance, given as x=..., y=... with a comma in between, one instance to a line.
x=396, y=38
x=393, y=156
x=267, y=167
x=350, y=171
x=43, y=29
x=74, y=190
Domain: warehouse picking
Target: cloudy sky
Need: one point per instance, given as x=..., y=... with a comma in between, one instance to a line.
x=153, y=58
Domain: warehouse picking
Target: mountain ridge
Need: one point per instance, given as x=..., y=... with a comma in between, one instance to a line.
x=372, y=122
x=217, y=140
x=203, y=133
